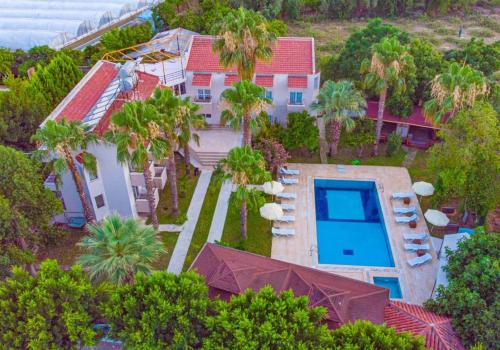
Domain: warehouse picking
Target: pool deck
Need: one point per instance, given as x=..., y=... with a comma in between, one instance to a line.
x=416, y=283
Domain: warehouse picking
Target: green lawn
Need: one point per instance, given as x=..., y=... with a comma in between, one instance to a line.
x=204, y=221
x=381, y=160
x=169, y=240
x=418, y=169
x=259, y=230
x=185, y=187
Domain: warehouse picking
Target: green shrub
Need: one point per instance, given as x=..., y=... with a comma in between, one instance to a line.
x=301, y=132
x=445, y=31
x=482, y=33
x=394, y=142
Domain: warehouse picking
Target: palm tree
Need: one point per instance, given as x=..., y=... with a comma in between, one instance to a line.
x=190, y=119
x=171, y=112
x=242, y=38
x=63, y=138
x=244, y=166
x=389, y=59
x=241, y=104
x=118, y=248
x=135, y=131
x=339, y=103
x=458, y=88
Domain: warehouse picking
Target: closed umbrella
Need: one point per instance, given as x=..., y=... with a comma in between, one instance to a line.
x=271, y=211
x=436, y=218
x=273, y=187
x=423, y=188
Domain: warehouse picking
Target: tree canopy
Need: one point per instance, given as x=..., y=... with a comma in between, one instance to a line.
x=301, y=132
x=471, y=297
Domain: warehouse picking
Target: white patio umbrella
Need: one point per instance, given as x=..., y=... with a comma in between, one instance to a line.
x=436, y=218
x=272, y=187
x=271, y=211
x=423, y=188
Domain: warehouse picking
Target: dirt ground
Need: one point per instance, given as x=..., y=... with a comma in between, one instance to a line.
x=442, y=32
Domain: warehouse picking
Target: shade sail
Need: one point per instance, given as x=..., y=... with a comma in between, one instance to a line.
x=423, y=188
x=273, y=187
x=436, y=218
x=271, y=211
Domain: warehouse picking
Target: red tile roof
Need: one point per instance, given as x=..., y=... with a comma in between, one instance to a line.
x=230, y=79
x=290, y=56
x=416, y=118
x=88, y=94
x=229, y=271
x=264, y=80
x=297, y=82
x=436, y=329
x=202, y=79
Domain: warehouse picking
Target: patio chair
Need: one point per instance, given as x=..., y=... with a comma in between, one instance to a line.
x=289, y=181
x=287, y=207
x=420, y=260
x=289, y=171
x=406, y=219
x=287, y=218
x=415, y=236
x=287, y=195
x=77, y=222
x=282, y=231
x=405, y=210
x=415, y=247
x=402, y=195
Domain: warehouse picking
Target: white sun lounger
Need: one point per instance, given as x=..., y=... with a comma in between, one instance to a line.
x=341, y=168
x=289, y=171
x=287, y=207
x=282, y=231
x=287, y=195
x=415, y=247
x=414, y=236
x=404, y=210
x=402, y=195
x=289, y=181
x=406, y=219
x=287, y=218
x=419, y=260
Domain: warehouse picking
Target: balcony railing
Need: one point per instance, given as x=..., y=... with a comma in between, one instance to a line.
x=296, y=103
x=141, y=202
x=199, y=99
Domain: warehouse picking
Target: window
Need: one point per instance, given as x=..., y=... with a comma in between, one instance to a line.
x=99, y=201
x=270, y=118
x=206, y=115
x=295, y=98
x=92, y=175
x=204, y=95
x=180, y=89
x=269, y=94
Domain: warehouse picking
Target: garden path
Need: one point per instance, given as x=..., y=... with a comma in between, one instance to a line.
x=217, y=226
x=184, y=240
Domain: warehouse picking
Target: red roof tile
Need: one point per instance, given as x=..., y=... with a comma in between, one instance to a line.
x=91, y=90
x=229, y=271
x=416, y=118
x=230, y=79
x=202, y=79
x=290, y=56
x=297, y=82
x=436, y=329
x=264, y=80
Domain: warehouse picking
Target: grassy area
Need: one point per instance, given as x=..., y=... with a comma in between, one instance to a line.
x=381, y=160
x=185, y=187
x=64, y=250
x=204, y=222
x=418, y=169
x=169, y=240
x=259, y=230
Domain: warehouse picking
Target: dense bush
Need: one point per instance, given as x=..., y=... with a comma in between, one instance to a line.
x=301, y=133
x=394, y=142
x=471, y=297
x=399, y=104
x=57, y=309
x=478, y=55
x=362, y=136
x=274, y=153
x=120, y=38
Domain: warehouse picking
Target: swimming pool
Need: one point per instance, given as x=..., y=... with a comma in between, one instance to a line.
x=349, y=224
x=391, y=283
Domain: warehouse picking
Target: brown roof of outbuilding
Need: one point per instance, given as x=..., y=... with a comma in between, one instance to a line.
x=229, y=271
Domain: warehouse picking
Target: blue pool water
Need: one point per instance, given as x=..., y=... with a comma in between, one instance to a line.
x=349, y=224
x=391, y=283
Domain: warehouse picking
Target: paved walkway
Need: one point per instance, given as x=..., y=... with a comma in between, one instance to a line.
x=184, y=240
x=410, y=156
x=219, y=218
x=323, y=145
x=169, y=228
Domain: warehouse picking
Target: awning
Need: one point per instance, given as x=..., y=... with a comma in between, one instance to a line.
x=264, y=80
x=202, y=79
x=297, y=82
x=230, y=79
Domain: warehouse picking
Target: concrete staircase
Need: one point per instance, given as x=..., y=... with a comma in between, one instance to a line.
x=210, y=158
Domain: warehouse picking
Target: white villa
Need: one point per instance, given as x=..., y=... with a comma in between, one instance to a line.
x=290, y=78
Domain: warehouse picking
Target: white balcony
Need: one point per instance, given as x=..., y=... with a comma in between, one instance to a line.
x=160, y=177
x=137, y=176
x=141, y=202
x=295, y=106
x=205, y=100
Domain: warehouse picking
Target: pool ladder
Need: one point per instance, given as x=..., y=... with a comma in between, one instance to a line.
x=312, y=249
x=380, y=187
